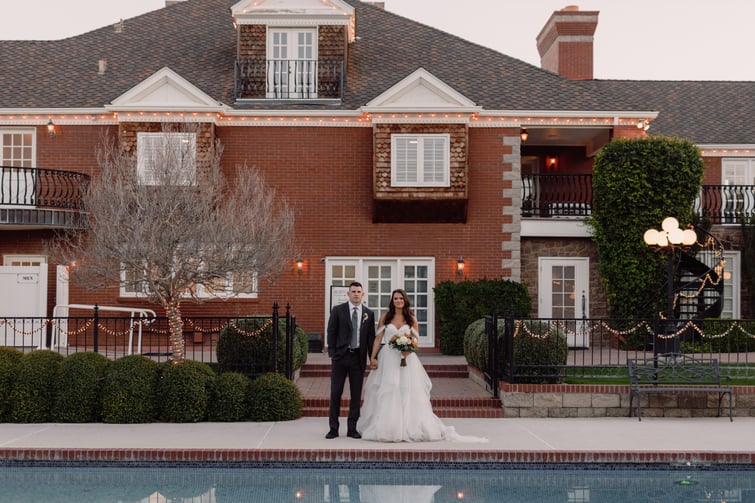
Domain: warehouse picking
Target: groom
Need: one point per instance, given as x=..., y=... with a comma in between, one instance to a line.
x=351, y=332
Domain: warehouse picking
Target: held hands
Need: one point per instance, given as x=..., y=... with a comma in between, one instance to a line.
x=373, y=363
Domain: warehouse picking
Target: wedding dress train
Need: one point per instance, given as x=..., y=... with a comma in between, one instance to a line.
x=397, y=404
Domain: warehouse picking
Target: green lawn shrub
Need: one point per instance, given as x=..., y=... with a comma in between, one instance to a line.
x=228, y=397
x=33, y=395
x=183, y=391
x=246, y=346
x=272, y=397
x=79, y=390
x=9, y=360
x=130, y=390
x=458, y=304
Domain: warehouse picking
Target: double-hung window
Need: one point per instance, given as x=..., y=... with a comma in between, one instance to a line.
x=420, y=160
x=168, y=159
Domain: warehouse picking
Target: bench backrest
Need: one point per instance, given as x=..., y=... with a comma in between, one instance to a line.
x=673, y=369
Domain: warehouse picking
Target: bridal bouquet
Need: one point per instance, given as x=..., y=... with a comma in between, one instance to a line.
x=404, y=342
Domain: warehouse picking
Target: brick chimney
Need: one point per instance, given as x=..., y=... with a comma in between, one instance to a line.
x=566, y=41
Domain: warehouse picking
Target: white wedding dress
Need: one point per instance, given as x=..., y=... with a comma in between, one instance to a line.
x=397, y=404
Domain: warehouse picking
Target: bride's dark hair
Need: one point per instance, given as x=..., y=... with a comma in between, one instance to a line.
x=406, y=311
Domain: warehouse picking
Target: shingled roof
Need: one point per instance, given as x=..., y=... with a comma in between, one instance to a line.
x=197, y=40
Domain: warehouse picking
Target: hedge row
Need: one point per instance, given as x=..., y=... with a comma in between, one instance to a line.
x=44, y=386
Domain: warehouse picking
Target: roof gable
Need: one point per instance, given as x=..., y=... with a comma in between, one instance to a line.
x=421, y=91
x=257, y=11
x=165, y=90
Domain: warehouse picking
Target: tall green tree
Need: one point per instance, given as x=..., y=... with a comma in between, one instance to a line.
x=636, y=184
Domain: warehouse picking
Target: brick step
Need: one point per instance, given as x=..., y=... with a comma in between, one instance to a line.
x=443, y=407
x=460, y=371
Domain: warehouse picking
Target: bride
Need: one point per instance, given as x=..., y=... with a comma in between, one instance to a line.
x=397, y=398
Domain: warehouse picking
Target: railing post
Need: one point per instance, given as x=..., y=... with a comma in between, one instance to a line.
x=275, y=337
x=96, y=328
x=290, y=330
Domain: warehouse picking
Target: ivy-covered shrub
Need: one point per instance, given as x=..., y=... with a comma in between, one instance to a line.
x=79, y=390
x=272, y=397
x=540, y=350
x=246, y=346
x=33, y=395
x=182, y=391
x=636, y=184
x=9, y=360
x=459, y=304
x=228, y=397
x=130, y=390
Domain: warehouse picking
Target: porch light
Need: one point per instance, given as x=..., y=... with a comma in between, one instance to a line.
x=299, y=265
x=460, y=266
x=551, y=162
x=523, y=134
x=51, y=129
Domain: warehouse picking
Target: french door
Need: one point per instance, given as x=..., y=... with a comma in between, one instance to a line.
x=292, y=63
x=563, y=287
x=379, y=277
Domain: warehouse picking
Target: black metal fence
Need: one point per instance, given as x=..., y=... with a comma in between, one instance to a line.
x=598, y=348
x=118, y=336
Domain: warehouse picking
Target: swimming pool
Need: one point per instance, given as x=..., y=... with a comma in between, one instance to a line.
x=402, y=484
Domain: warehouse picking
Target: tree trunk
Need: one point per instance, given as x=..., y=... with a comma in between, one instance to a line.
x=176, y=329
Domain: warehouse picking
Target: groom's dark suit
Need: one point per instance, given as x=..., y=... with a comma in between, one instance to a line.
x=348, y=362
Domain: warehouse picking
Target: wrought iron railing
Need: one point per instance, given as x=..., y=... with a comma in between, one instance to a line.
x=570, y=196
x=289, y=79
x=42, y=188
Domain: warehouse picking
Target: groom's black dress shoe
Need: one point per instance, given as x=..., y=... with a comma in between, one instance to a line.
x=353, y=434
x=331, y=434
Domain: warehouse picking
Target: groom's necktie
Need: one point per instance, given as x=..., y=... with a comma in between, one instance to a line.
x=355, y=328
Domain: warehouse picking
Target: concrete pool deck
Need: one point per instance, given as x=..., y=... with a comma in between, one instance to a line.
x=511, y=440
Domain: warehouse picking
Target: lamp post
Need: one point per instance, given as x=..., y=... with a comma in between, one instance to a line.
x=668, y=240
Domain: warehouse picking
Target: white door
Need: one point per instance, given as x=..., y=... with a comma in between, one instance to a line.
x=736, y=176
x=23, y=305
x=563, y=293
x=292, y=63
x=379, y=277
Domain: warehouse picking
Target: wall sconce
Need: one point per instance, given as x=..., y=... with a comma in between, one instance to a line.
x=299, y=265
x=460, y=266
x=551, y=162
x=523, y=134
x=51, y=129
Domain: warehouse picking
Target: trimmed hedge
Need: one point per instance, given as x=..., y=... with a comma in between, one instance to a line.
x=228, y=397
x=33, y=395
x=130, y=390
x=539, y=350
x=79, y=390
x=459, y=304
x=183, y=391
x=9, y=360
x=272, y=397
x=246, y=346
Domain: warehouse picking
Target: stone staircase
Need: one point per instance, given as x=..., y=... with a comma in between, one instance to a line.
x=454, y=394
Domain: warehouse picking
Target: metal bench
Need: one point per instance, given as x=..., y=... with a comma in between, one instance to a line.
x=673, y=372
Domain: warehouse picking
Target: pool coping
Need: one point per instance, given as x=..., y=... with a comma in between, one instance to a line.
x=313, y=457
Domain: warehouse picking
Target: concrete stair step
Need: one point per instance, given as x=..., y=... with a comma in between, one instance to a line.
x=443, y=407
x=433, y=370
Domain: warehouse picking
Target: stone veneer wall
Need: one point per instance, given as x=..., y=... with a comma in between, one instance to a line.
x=586, y=400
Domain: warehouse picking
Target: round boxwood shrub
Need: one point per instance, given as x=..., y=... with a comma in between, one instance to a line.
x=33, y=395
x=272, y=397
x=228, y=397
x=540, y=350
x=246, y=345
x=79, y=393
x=130, y=390
x=9, y=360
x=183, y=391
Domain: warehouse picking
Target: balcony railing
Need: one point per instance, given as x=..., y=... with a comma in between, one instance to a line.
x=41, y=196
x=289, y=79
x=570, y=196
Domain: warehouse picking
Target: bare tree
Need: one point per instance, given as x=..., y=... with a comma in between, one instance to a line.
x=170, y=224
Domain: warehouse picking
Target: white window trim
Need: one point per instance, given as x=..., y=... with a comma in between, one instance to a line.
x=146, y=173
x=32, y=131
x=200, y=291
x=421, y=150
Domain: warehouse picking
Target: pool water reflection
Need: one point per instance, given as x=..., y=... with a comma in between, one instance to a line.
x=372, y=485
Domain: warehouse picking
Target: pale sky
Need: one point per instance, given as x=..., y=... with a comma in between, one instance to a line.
x=635, y=39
